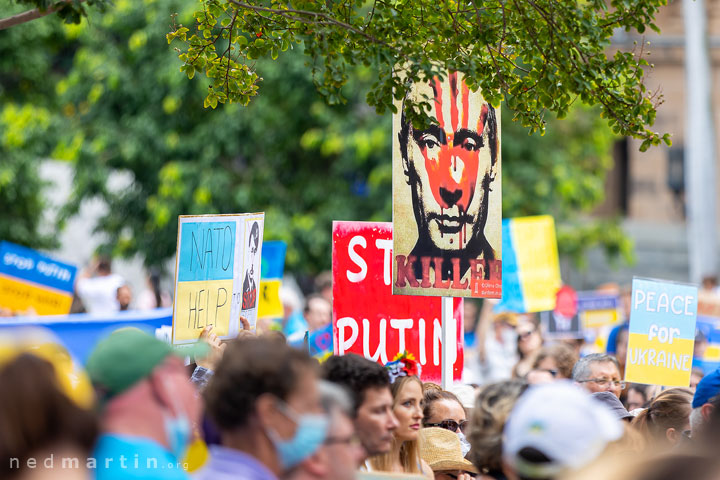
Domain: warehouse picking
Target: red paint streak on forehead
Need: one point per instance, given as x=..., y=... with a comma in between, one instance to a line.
x=465, y=105
x=437, y=89
x=453, y=102
x=482, y=119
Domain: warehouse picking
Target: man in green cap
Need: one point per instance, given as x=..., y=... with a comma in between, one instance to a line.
x=149, y=406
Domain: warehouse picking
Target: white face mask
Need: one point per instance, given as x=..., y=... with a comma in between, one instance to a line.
x=464, y=444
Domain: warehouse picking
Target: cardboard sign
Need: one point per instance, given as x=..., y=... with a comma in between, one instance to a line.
x=217, y=274
x=33, y=283
x=272, y=269
x=662, y=333
x=531, y=270
x=447, y=195
x=369, y=320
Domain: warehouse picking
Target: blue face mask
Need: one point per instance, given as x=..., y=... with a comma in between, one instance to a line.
x=177, y=431
x=310, y=432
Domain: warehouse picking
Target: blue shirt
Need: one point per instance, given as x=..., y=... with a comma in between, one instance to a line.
x=124, y=456
x=227, y=463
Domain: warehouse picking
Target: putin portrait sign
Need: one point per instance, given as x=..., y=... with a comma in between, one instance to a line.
x=447, y=195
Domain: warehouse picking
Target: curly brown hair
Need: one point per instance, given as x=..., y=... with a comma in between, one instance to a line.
x=564, y=356
x=492, y=409
x=251, y=367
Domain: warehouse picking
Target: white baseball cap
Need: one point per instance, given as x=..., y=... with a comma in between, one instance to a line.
x=563, y=422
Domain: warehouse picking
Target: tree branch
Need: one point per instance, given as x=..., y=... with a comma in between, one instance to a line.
x=30, y=15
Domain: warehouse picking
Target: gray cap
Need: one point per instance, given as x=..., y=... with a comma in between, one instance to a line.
x=614, y=404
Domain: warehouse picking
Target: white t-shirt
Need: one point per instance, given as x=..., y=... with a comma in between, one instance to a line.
x=99, y=294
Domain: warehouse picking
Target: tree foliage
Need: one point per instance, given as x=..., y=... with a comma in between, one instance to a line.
x=70, y=11
x=105, y=96
x=539, y=55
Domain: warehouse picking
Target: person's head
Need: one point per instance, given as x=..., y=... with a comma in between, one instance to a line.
x=663, y=422
x=104, y=266
x=124, y=296
x=324, y=285
x=143, y=385
x=471, y=314
x=637, y=396
x=709, y=282
x=598, y=372
x=557, y=359
x=341, y=453
x=266, y=393
x=38, y=419
x=451, y=165
x=556, y=428
x=318, y=312
x=492, y=408
x=613, y=404
x=407, y=394
x=504, y=324
x=696, y=375
x=443, y=409
x=529, y=339
x=442, y=451
x=368, y=384
x=705, y=400
x=253, y=245
x=621, y=343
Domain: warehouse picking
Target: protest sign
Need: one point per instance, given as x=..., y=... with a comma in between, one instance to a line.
x=272, y=268
x=80, y=332
x=320, y=342
x=531, y=270
x=662, y=333
x=447, y=195
x=598, y=310
x=369, y=320
x=564, y=320
x=34, y=284
x=217, y=274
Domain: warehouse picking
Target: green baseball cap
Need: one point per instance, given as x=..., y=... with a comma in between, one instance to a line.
x=129, y=355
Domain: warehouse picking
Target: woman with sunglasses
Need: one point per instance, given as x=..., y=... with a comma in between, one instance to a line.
x=443, y=409
x=529, y=342
x=404, y=455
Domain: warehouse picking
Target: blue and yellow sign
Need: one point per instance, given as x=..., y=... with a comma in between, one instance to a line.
x=662, y=333
x=33, y=283
x=531, y=270
x=272, y=268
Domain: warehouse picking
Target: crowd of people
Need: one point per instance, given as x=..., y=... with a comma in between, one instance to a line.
x=257, y=408
x=260, y=408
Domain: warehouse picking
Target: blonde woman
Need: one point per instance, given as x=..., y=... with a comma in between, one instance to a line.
x=404, y=456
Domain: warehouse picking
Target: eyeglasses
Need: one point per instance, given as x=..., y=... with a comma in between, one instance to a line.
x=451, y=425
x=352, y=440
x=604, y=382
x=524, y=335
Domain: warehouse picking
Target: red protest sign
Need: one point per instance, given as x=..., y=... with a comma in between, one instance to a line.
x=369, y=320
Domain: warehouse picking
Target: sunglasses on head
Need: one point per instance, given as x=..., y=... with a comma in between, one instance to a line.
x=451, y=425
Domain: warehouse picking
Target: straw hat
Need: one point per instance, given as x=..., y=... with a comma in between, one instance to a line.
x=441, y=449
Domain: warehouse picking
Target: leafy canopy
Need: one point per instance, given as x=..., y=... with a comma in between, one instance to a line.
x=538, y=55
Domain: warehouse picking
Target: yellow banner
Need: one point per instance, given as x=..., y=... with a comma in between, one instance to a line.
x=270, y=305
x=537, y=259
x=26, y=298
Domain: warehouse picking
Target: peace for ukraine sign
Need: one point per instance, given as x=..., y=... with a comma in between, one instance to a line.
x=662, y=333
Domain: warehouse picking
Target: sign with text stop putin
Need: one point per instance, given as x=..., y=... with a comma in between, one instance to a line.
x=369, y=320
